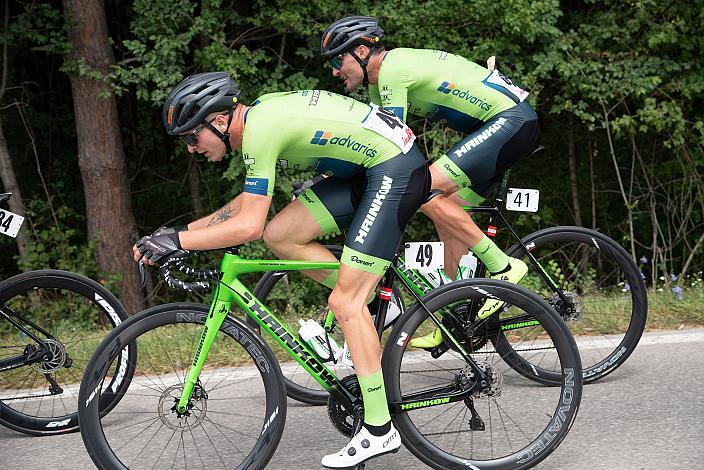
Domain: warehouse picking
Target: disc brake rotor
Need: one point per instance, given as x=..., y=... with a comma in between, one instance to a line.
x=56, y=359
x=570, y=311
x=197, y=408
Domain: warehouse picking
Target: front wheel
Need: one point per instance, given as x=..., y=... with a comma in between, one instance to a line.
x=607, y=303
x=236, y=414
x=448, y=416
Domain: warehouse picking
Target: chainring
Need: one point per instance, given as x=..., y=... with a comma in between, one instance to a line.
x=342, y=419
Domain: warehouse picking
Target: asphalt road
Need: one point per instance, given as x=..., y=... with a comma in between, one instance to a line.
x=647, y=415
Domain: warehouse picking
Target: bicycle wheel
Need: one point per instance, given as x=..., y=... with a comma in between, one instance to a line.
x=511, y=422
x=608, y=303
x=236, y=414
x=41, y=398
x=300, y=386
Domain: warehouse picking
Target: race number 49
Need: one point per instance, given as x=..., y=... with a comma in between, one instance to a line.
x=425, y=255
x=10, y=223
x=522, y=200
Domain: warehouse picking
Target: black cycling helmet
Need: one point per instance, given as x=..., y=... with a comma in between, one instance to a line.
x=349, y=32
x=199, y=95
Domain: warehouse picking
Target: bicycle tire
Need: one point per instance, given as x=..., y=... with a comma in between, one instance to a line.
x=30, y=286
x=529, y=433
x=613, y=329
x=102, y=434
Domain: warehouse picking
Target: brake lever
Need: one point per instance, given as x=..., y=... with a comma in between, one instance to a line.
x=142, y=275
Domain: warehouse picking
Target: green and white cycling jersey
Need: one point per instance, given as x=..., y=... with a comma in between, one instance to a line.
x=442, y=87
x=320, y=131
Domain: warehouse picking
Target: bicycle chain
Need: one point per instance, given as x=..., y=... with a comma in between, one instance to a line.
x=478, y=352
x=28, y=396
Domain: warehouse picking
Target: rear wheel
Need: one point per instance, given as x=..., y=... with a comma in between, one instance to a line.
x=77, y=313
x=607, y=303
x=509, y=421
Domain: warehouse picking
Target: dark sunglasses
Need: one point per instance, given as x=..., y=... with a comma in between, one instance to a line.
x=192, y=138
x=336, y=62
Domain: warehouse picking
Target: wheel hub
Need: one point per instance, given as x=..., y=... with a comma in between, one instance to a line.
x=197, y=408
x=570, y=311
x=55, y=358
x=492, y=388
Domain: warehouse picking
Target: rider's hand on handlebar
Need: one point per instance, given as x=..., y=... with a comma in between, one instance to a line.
x=153, y=249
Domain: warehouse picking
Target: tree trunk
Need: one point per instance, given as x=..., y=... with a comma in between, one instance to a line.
x=194, y=185
x=572, y=156
x=7, y=172
x=9, y=183
x=100, y=154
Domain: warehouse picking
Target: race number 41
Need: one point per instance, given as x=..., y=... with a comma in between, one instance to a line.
x=425, y=255
x=522, y=200
x=10, y=223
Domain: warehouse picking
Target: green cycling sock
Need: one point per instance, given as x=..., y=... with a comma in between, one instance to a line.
x=493, y=258
x=331, y=279
x=376, y=409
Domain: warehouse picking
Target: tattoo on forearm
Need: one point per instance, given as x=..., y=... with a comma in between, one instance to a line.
x=221, y=215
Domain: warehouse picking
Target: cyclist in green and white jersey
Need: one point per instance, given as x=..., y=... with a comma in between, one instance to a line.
x=500, y=128
x=377, y=179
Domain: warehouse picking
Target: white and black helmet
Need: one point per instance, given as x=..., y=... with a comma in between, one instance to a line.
x=196, y=97
x=349, y=32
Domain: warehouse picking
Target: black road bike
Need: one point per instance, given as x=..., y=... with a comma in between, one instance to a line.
x=51, y=321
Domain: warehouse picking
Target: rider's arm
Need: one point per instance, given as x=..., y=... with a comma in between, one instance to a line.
x=374, y=94
x=394, y=94
x=395, y=79
x=244, y=225
x=226, y=212
x=243, y=219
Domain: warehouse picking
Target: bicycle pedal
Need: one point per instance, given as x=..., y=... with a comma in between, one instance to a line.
x=439, y=350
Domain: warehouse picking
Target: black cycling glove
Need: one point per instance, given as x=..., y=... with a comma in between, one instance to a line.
x=159, y=247
x=163, y=230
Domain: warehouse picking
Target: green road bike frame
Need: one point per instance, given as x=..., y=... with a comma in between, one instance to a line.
x=231, y=290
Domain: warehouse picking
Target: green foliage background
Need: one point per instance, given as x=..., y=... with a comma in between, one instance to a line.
x=624, y=79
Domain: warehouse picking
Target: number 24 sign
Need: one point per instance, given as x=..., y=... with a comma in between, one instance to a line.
x=10, y=223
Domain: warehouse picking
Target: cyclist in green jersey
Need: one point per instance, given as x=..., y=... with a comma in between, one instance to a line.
x=377, y=179
x=500, y=128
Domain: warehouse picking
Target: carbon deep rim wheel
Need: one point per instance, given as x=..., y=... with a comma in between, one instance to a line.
x=521, y=421
x=235, y=418
x=69, y=298
x=608, y=300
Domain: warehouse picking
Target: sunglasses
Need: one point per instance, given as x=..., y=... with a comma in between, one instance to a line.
x=192, y=138
x=336, y=62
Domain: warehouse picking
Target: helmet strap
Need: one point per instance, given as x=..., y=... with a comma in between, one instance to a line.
x=224, y=136
x=363, y=64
